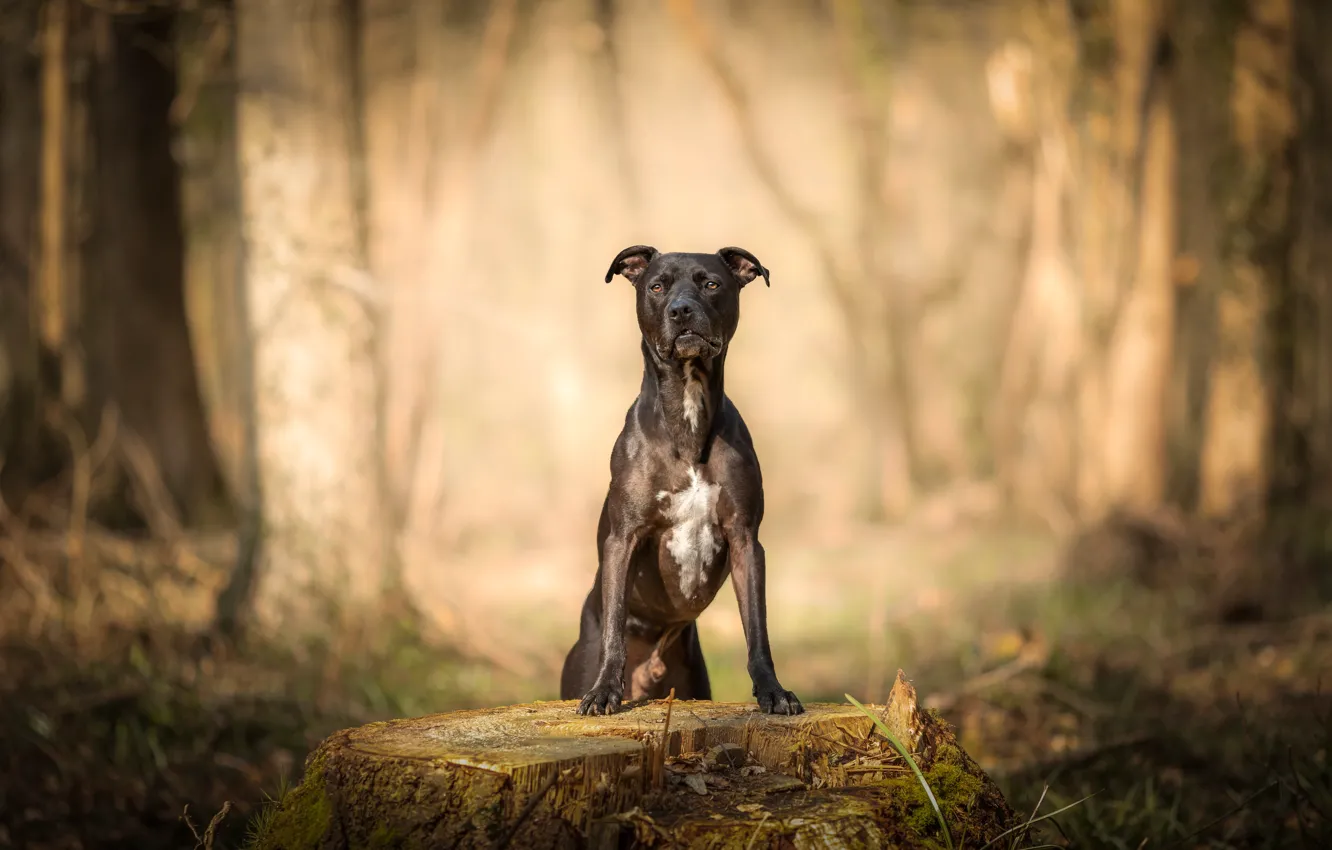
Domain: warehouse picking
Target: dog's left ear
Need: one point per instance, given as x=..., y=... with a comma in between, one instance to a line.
x=744, y=265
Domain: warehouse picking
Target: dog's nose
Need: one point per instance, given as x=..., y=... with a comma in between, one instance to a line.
x=680, y=309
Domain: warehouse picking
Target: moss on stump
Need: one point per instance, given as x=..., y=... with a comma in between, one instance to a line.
x=683, y=775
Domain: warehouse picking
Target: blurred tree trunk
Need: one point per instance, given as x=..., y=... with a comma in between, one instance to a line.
x=1100, y=291
x=25, y=448
x=403, y=132
x=1124, y=236
x=204, y=115
x=1202, y=102
x=422, y=140
x=877, y=313
x=1300, y=469
x=413, y=176
x=1031, y=427
x=874, y=318
x=1255, y=200
x=312, y=311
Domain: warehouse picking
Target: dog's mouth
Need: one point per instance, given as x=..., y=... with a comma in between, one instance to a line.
x=691, y=343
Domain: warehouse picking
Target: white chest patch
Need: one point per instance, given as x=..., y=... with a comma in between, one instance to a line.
x=695, y=394
x=695, y=538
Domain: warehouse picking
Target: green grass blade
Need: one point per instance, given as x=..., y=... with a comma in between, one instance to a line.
x=1033, y=820
x=906, y=754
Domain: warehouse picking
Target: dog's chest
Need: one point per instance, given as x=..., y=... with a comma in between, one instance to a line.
x=694, y=537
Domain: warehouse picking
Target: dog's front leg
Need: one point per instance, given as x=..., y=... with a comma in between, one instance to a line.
x=608, y=690
x=748, y=568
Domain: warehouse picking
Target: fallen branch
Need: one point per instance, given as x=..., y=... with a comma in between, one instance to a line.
x=1079, y=757
x=1032, y=656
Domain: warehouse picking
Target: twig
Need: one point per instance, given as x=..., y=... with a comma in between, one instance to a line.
x=33, y=582
x=1081, y=756
x=1243, y=804
x=1071, y=698
x=659, y=769
x=844, y=745
x=1024, y=828
x=876, y=768
x=213, y=824
x=205, y=841
x=158, y=507
x=527, y=809
x=757, y=827
x=1024, y=662
x=1302, y=791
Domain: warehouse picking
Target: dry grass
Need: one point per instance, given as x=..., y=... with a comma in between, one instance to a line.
x=118, y=710
x=106, y=742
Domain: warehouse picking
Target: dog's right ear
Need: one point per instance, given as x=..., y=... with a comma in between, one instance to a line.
x=631, y=261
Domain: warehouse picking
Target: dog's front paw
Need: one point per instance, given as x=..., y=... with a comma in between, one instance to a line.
x=774, y=700
x=602, y=699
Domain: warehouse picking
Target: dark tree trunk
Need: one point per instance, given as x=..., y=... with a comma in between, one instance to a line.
x=1206, y=43
x=27, y=452
x=1236, y=184
x=1301, y=313
x=119, y=272
x=139, y=353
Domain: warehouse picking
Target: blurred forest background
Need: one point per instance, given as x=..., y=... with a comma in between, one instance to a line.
x=308, y=379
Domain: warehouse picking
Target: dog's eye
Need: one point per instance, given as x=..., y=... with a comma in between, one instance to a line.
x=712, y=284
x=656, y=287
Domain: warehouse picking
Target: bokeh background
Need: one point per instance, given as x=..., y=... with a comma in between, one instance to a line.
x=309, y=379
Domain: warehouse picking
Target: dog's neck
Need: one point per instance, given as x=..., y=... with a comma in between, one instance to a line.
x=684, y=399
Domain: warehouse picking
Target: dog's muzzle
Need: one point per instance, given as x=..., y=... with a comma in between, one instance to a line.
x=690, y=344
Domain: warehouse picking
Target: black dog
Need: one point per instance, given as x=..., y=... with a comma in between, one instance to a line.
x=685, y=499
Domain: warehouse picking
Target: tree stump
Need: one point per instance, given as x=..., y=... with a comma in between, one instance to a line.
x=659, y=774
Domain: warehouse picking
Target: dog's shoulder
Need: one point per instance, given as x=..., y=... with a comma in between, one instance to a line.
x=732, y=429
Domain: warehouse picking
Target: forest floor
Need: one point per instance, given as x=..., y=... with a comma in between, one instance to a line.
x=1187, y=732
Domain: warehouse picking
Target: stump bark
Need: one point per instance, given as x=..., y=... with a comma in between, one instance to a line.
x=660, y=774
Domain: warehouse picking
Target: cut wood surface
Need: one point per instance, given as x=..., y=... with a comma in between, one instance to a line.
x=657, y=774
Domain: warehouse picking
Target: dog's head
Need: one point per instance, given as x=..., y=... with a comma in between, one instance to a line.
x=688, y=304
